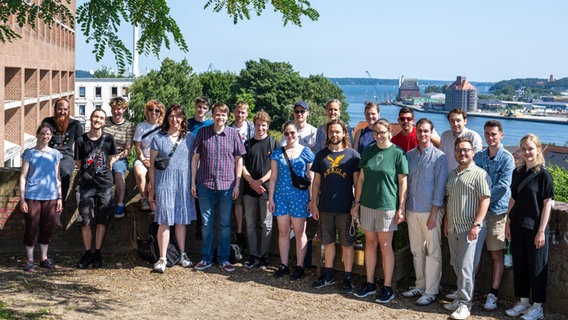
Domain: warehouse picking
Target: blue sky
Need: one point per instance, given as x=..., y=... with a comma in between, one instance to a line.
x=437, y=40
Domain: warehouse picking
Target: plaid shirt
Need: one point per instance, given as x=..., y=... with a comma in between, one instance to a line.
x=217, y=152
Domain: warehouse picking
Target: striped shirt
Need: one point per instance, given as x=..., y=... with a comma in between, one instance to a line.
x=217, y=152
x=121, y=132
x=464, y=191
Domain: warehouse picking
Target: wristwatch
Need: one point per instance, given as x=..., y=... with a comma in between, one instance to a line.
x=476, y=224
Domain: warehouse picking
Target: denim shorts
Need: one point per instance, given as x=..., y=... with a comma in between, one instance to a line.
x=120, y=166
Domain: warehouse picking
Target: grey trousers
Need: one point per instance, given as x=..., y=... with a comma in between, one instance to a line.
x=258, y=224
x=462, y=252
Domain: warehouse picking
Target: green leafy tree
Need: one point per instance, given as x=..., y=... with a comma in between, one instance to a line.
x=433, y=88
x=100, y=21
x=273, y=85
x=219, y=86
x=106, y=72
x=174, y=83
x=560, y=178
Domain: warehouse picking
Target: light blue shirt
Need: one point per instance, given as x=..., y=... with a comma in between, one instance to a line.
x=500, y=170
x=427, y=175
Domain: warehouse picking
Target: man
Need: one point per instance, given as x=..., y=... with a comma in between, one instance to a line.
x=245, y=129
x=336, y=169
x=406, y=138
x=427, y=175
x=467, y=192
x=332, y=111
x=499, y=164
x=458, y=119
x=306, y=131
x=216, y=167
x=199, y=121
x=256, y=173
x=123, y=132
x=67, y=132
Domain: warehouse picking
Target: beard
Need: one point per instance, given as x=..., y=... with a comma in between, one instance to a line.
x=61, y=123
x=336, y=142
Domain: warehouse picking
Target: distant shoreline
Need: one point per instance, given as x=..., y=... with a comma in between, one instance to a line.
x=526, y=118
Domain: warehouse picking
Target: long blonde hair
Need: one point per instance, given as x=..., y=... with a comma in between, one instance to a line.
x=539, y=162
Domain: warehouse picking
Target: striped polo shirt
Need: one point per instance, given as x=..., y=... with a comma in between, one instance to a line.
x=464, y=190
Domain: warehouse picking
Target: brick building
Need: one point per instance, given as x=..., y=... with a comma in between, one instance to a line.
x=35, y=71
x=461, y=94
x=408, y=88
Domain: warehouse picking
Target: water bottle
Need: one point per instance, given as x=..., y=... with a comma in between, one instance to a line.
x=508, y=257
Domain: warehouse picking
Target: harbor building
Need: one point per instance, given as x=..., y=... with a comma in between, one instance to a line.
x=408, y=88
x=461, y=94
x=35, y=70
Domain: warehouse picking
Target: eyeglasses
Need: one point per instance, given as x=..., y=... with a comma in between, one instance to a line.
x=380, y=133
x=291, y=133
x=298, y=111
x=462, y=150
x=406, y=119
x=154, y=110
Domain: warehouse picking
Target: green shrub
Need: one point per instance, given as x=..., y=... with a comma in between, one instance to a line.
x=560, y=178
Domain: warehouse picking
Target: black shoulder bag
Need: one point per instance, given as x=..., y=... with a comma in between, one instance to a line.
x=163, y=163
x=89, y=174
x=300, y=182
x=150, y=132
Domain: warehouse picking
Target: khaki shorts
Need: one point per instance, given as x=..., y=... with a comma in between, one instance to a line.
x=375, y=220
x=495, y=232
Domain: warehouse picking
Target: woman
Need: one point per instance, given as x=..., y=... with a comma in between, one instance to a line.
x=40, y=188
x=532, y=193
x=168, y=195
x=143, y=135
x=364, y=137
x=122, y=130
x=94, y=156
x=380, y=195
x=288, y=204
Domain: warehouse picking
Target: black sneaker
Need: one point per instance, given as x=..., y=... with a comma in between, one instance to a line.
x=86, y=260
x=48, y=264
x=366, y=290
x=29, y=266
x=251, y=262
x=298, y=273
x=282, y=271
x=385, y=296
x=263, y=262
x=97, y=260
x=323, y=282
x=347, y=286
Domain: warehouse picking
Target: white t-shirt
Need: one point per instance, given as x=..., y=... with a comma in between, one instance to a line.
x=141, y=130
x=447, y=144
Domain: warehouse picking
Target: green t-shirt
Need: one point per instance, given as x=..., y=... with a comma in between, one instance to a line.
x=381, y=168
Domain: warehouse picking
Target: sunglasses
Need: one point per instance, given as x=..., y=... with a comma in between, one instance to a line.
x=291, y=133
x=408, y=119
x=154, y=110
x=298, y=111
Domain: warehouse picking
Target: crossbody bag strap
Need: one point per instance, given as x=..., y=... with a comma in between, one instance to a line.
x=288, y=162
x=150, y=132
x=175, y=147
x=526, y=180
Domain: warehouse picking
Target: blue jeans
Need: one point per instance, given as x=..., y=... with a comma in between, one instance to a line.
x=207, y=198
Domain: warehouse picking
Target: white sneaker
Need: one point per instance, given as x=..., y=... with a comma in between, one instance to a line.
x=160, y=266
x=462, y=312
x=518, y=309
x=185, y=262
x=452, y=295
x=533, y=313
x=413, y=292
x=490, y=302
x=426, y=299
x=452, y=306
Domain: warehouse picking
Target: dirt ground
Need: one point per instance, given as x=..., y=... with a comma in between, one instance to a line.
x=127, y=289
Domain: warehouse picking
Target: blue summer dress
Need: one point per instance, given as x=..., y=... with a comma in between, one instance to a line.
x=174, y=202
x=287, y=198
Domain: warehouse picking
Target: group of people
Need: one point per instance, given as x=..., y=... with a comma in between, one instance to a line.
x=446, y=184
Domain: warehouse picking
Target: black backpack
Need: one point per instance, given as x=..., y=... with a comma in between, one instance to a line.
x=149, y=251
